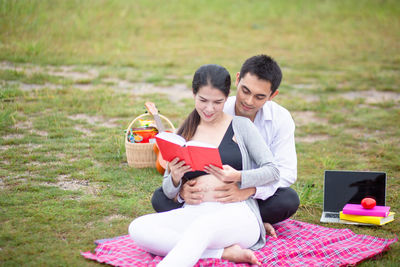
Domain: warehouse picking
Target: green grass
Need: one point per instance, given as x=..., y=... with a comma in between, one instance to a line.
x=64, y=178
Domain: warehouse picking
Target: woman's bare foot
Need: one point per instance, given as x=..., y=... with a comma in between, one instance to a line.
x=270, y=230
x=237, y=254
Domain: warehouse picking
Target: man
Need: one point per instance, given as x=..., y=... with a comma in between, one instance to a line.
x=257, y=84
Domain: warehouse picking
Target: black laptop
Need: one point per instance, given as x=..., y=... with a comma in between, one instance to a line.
x=342, y=187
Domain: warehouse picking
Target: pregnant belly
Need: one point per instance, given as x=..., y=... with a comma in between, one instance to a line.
x=208, y=183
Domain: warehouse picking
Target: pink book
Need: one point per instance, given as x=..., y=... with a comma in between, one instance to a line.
x=357, y=209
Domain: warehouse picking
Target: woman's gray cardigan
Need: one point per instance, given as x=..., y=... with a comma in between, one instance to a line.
x=253, y=149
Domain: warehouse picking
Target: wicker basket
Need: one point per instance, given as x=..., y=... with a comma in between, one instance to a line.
x=141, y=155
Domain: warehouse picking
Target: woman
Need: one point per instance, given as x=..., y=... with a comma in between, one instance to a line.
x=187, y=234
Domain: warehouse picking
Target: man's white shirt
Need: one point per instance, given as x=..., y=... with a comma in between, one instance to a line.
x=276, y=126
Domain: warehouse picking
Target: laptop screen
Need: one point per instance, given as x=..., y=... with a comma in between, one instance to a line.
x=342, y=187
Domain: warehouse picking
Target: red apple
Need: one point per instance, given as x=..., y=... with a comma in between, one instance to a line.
x=368, y=203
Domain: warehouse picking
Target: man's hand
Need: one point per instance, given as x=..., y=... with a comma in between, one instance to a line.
x=230, y=192
x=191, y=193
x=227, y=174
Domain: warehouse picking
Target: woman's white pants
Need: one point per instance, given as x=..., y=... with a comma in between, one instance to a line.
x=193, y=232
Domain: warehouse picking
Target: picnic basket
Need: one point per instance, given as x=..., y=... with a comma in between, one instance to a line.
x=142, y=155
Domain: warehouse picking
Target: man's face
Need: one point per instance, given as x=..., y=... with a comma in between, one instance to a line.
x=252, y=93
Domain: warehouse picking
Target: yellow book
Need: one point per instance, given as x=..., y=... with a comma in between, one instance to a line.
x=368, y=219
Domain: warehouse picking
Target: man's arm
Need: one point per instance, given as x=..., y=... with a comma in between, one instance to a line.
x=284, y=153
x=283, y=149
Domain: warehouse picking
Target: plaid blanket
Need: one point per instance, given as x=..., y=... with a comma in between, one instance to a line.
x=297, y=244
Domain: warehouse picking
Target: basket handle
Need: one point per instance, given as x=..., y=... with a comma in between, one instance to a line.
x=146, y=114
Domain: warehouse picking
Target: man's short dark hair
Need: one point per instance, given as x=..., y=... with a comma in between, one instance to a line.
x=265, y=68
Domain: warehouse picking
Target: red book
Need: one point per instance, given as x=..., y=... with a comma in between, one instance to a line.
x=357, y=209
x=194, y=153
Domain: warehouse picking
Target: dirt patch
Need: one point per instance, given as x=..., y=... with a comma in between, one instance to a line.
x=30, y=147
x=303, y=118
x=360, y=133
x=114, y=217
x=61, y=156
x=69, y=72
x=95, y=120
x=372, y=96
x=109, y=219
x=64, y=182
x=33, y=87
x=7, y=147
x=35, y=163
x=16, y=178
x=309, y=98
x=174, y=92
x=23, y=125
x=304, y=86
x=41, y=133
x=306, y=117
x=312, y=138
x=13, y=136
x=4, y=162
x=85, y=131
x=301, y=95
x=82, y=80
x=27, y=125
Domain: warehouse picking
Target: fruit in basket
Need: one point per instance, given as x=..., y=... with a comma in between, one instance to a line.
x=146, y=123
x=145, y=132
x=137, y=138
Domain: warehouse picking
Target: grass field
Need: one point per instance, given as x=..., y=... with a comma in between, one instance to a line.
x=74, y=74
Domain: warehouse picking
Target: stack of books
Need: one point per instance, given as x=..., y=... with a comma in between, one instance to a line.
x=378, y=215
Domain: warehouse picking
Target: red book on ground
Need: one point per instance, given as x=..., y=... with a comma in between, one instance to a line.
x=194, y=153
x=357, y=209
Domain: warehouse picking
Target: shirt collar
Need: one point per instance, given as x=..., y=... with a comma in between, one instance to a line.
x=264, y=114
x=229, y=106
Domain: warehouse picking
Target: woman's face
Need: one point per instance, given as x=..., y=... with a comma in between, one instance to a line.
x=209, y=103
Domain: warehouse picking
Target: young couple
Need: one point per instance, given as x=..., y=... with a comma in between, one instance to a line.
x=226, y=213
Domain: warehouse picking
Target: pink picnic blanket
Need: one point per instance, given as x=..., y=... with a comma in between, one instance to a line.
x=297, y=244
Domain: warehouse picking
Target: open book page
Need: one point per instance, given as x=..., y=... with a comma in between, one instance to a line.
x=173, y=138
x=198, y=143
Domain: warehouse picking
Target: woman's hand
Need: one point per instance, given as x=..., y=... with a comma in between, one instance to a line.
x=227, y=174
x=178, y=169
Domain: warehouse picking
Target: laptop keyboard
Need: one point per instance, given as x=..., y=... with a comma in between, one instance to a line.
x=332, y=215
